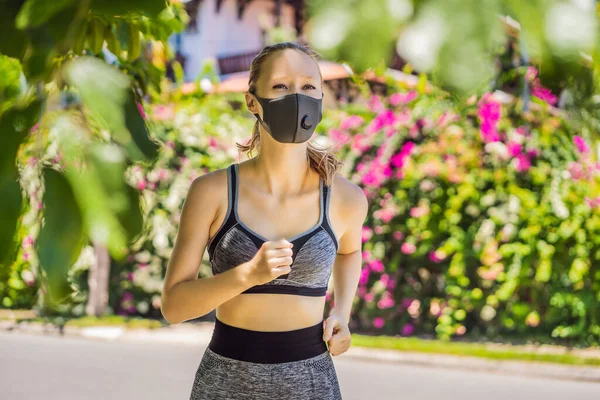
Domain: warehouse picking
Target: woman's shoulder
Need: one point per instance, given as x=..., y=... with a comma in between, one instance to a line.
x=210, y=183
x=348, y=196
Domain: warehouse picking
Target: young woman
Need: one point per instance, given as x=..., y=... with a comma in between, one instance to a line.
x=277, y=227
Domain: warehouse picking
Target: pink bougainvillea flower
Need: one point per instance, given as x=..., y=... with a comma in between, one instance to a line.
x=386, y=301
x=576, y=170
x=360, y=144
x=523, y=163
x=141, y=110
x=162, y=112
x=352, y=122
x=366, y=233
x=446, y=118
x=581, y=144
x=378, y=322
x=437, y=256
x=366, y=255
x=522, y=130
x=543, y=93
x=592, y=202
x=489, y=132
x=514, y=148
x=398, y=235
x=403, y=98
x=371, y=178
x=364, y=276
x=531, y=74
x=406, y=302
x=213, y=142
x=376, y=266
x=408, y=248
x=339, y=137
x=532, y=153
x=399, y=158
x=408, y=329
x=374, y=103
x=419, y=211
x=490, y=109
x=141, y=184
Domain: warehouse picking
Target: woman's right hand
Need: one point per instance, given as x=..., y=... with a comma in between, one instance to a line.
x=273, y=259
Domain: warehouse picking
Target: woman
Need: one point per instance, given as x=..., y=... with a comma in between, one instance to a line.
x=277, y=226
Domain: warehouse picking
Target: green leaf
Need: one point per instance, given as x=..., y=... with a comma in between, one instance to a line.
x=10, y=208
x=138, y=129
x=15, y=47
x=149, y=8
x=61, y=236
x=122, y=199
x=36, y=12
x=106, y=92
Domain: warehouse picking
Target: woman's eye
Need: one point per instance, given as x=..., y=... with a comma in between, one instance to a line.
x=281, y=84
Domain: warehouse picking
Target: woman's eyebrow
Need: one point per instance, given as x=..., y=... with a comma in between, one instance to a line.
x=280, y=78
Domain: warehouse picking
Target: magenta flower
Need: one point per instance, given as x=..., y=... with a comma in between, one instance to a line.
x=489, y=109
x=576, y=170
x=364, y=276
x=366, y=255
x=437, y=256
x=360, y=144
x=372, y=178
x=386, y=301
x=408, y=248
x=403, y=98
x=366, y=233
x=351, y=122
x=514, y=148
x=543, y=93
x=378, y=322
x=376, y=266
x=339, y=137
x=408, y=329
x=141, y=110
x=398, y=235
x=523, y=163
x=374, y=103
x=419, y=211
x=531, y=74
x=580, y=144
x=489, y=132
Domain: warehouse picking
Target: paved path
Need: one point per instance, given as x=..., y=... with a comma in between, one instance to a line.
x=71, y=367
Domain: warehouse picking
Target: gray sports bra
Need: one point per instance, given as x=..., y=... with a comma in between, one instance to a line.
x=313, y=255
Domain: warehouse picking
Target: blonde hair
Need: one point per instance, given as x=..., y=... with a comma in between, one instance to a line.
x=323, y=161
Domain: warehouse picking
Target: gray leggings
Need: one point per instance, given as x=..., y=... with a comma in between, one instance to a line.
x=233, y=377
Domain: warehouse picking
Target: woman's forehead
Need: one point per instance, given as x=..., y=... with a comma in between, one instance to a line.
x=289, y=63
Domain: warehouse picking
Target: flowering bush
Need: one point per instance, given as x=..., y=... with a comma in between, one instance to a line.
x=482, y=219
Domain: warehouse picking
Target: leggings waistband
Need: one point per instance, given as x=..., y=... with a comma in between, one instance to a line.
x=267, y=347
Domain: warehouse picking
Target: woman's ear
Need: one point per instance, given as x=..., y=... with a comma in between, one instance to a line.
x=250, y=103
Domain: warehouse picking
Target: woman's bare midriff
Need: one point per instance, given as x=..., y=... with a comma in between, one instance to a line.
x=272, y=311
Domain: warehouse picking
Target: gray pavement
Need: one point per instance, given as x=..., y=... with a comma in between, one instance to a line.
x=142, y=366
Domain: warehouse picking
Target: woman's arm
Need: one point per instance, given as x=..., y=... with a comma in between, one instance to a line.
x=353, y=205
x=184, y=296
x=348, y=262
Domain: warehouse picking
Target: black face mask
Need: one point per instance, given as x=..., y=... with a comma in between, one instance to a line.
x=291, y=118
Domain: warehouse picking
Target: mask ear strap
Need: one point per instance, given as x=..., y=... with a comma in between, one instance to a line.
x=261, y=122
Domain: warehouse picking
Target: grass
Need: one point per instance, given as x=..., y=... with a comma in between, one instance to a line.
x=481, y=350
x=90, y=321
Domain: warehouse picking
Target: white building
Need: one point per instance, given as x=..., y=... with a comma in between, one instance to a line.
x=232, y=32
